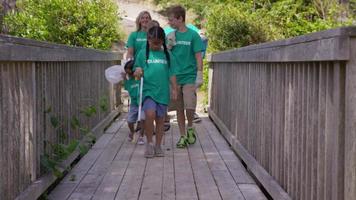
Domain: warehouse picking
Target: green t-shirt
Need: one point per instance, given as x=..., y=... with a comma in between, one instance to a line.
x=156, y=76
x=187, y=45
x=133, y=87
x=137, y=40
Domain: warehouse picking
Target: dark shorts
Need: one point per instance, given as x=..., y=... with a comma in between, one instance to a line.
x=150, y=104
x=133, y=114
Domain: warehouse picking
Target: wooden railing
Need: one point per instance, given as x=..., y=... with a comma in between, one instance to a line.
x=288, y=108
x=44, y=90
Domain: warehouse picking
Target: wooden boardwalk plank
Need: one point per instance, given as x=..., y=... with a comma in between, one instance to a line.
x=131, y=184
x=204, y=180
x=225, y=182
x=112, y=180
x=116, y=169
x=168, y=188
x=244, y=181
x=152, y=181
x=76, y=175
x=184, y=179
x=233, y=163
x=100, y=169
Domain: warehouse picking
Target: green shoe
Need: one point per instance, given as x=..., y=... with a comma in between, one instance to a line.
x=182, y=142
x=191, y=135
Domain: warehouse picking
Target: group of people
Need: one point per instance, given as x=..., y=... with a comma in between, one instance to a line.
x=172, y=69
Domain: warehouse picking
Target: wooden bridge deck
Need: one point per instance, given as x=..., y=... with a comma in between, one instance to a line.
x=116, y=169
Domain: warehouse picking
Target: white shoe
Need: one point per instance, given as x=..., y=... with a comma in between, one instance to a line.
x=196, y=118
x=140, y=141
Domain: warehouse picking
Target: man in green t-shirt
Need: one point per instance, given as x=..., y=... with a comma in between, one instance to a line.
x=189, y=72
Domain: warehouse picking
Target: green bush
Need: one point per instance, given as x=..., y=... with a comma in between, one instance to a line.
x=231, y=27
x=85, y=23
x=290, y=18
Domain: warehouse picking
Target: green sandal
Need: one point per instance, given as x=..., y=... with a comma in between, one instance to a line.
x=182, y=142
x=191, y=136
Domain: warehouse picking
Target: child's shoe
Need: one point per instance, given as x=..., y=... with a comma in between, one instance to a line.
x=150, y=152
x=159, y=151
x=140, y=141
x=191, y=135
x=196, y=118
x=182, y=142
x=130, y=138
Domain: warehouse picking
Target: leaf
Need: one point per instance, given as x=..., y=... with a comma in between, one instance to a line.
x=72, y=146
x=48, y=110
x=54, y=121
x=83, y=149
x=74, y=123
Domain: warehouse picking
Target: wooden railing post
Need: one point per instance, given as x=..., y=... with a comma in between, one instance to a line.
x=350, y=124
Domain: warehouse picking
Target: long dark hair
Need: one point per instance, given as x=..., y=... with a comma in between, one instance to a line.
x=157, y=32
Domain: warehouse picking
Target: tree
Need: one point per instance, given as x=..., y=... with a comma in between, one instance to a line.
x=85, y=23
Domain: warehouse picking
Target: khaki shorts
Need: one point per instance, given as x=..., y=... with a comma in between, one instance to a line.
x=187, y=98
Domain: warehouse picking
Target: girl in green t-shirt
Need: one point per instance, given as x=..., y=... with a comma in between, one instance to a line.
x=156, y=66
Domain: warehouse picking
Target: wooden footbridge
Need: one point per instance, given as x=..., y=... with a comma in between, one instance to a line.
x=281, y=125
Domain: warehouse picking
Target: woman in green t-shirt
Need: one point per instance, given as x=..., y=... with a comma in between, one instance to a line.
x=156, y=66
x=138, y=38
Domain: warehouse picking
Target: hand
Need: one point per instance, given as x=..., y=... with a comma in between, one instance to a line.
x=138, y=72
x=171, y=40
x=174, y=94
x=123, y=75
x=199, y=79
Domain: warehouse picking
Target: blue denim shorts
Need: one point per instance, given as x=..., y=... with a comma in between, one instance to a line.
x=150, y=104
x=133, y=114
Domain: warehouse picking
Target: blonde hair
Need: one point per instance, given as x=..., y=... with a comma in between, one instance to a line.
x=138, y=18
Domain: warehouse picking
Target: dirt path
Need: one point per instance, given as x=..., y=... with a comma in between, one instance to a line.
x=129, y=9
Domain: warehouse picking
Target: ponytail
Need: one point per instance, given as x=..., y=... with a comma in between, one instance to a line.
x=166, y=52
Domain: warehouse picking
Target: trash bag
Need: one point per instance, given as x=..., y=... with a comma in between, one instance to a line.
x=114, y=73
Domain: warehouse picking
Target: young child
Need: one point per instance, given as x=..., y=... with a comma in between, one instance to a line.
x=132, y=86
x=156, y=66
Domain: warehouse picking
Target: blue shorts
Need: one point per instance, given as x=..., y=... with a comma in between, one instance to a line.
x=133, y=114
x=150, y=104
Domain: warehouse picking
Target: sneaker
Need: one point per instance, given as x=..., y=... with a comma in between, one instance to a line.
x=196, y=118
x=167, y=126
x=130, y=138
x=158, y=151
x=140, y=141
x=182, y=142
x=150, y=152
x=191, y=135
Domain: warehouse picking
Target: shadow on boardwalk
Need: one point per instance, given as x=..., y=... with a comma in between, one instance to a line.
x=116, y=169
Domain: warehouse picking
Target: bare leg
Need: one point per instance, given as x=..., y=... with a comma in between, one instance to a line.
x=190, y=116
x=159, y=130
x=181, y=121
x=132, y=129
x=142, y=130
x=150, y=116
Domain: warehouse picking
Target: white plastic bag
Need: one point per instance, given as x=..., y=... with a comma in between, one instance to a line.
x=114, y=73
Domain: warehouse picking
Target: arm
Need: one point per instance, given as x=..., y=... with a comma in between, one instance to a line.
x=199, y=79
x=173, y=80
x=130, y=53
x=199, y=60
